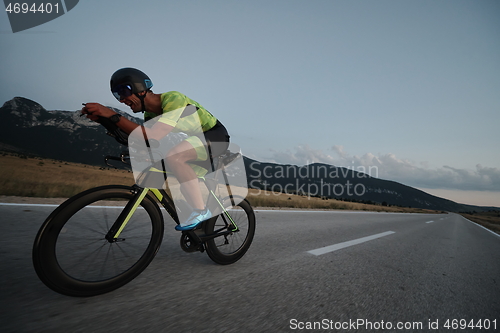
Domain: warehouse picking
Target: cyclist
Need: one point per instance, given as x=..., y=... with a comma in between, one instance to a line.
x=132, y=87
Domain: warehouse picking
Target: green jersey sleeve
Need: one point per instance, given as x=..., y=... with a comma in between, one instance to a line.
x=174, y=104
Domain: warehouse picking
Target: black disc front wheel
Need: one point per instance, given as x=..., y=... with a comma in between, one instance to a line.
x=71, y=254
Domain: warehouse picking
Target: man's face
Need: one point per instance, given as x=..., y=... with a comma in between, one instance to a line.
x=133, y=102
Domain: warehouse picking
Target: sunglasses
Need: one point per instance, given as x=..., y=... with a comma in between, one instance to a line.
x=122, y=91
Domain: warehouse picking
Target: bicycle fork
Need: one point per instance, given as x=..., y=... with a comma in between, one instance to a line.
x=129, y=210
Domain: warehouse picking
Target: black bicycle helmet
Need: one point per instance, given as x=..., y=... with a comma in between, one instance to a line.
x=127, y=81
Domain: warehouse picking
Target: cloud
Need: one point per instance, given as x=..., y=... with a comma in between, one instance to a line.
x=340, y=151
x=390, y=167
x=419, y=175
x=303, y=155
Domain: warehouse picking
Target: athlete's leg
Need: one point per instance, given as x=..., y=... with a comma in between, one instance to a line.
x=177, y=159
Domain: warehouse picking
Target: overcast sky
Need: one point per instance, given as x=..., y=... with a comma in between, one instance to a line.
x=411, y=87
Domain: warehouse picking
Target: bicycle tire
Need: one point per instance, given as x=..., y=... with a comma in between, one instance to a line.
x=70, y=253
x=228, y=249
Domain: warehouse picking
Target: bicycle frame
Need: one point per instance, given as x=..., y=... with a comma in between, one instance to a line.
x=166, y=201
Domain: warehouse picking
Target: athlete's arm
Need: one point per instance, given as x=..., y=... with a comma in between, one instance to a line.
x=96, y=110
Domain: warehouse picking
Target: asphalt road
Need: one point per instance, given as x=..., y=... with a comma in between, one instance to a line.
x=333, y=271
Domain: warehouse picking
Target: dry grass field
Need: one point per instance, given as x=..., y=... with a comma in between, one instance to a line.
x=490, y=220
x=43, y=178
x=260, y=198
x=33, y=177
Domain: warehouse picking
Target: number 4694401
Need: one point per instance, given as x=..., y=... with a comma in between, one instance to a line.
x=473, y=324
x=24, y=8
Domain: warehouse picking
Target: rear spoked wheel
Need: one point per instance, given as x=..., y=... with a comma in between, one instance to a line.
x=230, y=247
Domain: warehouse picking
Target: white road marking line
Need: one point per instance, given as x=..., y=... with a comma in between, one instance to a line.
x=494, y=233
x=51, y=205
x=429, y=221
x=26, y=204
x=332, y=211
x=335, y=247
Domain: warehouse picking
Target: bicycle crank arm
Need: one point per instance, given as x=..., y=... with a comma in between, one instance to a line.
x=191, y=242
x=215, y=235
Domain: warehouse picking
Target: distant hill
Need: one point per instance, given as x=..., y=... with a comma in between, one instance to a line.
x=328, y=181
x=27, y=128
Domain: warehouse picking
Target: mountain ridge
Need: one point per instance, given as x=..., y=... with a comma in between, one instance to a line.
x=344, y=184
x=28, y=128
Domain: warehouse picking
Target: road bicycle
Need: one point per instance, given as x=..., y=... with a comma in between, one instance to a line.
x=101, y=239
